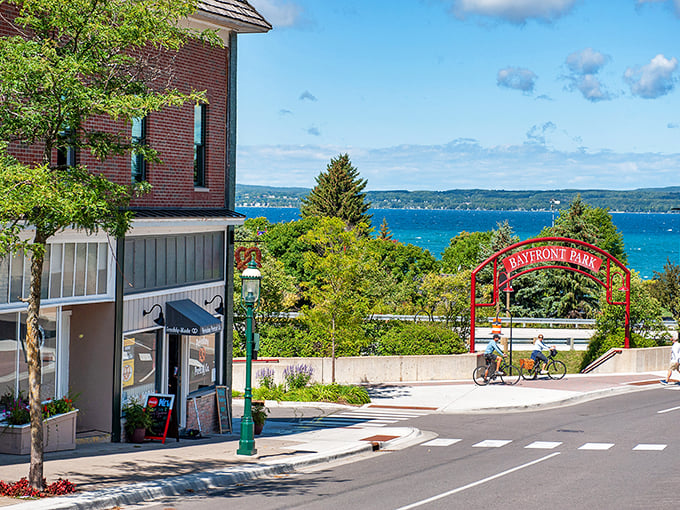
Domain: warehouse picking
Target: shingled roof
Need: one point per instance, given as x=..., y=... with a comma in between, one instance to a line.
x=238, y=12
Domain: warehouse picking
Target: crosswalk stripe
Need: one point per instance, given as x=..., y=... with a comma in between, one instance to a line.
x=650, y=447
x=441, y=442
x=492, y=443
x=544, y=445
x=596, y=446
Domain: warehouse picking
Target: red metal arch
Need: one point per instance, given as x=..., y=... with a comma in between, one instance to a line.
x=614, y=270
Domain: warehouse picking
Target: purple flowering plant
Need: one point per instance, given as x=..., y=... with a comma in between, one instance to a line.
x=297, y=376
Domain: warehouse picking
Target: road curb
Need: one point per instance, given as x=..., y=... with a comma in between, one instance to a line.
x=195, y=482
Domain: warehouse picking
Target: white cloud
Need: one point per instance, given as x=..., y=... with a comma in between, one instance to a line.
x=514, y=11
x=653, y=80
x=583, y=67
x=279, y=13
x=516, y=78
x=463, y=163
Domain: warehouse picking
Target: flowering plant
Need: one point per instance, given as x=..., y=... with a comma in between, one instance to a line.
x=297, y=376
x=265, y=376
x=18, y=412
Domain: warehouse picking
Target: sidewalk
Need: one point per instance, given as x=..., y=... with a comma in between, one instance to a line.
x=111, y=474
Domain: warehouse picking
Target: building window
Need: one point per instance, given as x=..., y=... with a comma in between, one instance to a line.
x=70, y=270
x=201, y=362
x=199, y=145
x=66, y=154
x=137, y=161
x=140, y=358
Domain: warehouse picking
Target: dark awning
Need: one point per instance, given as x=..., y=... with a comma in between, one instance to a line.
x=184, y=317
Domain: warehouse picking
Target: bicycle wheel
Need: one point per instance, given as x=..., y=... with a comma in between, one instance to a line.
x=512, y=374
x=478, y=376
x=529, y=374
x=556, y=369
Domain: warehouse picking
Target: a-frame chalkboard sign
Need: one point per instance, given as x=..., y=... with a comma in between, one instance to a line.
x=159, y=407
x=223, y=409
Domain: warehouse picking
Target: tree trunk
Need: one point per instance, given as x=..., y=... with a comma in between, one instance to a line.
x=35, y=474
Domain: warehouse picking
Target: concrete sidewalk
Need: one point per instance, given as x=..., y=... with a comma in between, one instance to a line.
x=114, y=474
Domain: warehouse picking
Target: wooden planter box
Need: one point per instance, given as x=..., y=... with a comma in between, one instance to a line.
x=59, y=433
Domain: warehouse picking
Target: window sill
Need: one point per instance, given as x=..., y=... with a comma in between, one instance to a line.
x=201, y=190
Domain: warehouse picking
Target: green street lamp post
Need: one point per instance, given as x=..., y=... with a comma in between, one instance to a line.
x=250, y=293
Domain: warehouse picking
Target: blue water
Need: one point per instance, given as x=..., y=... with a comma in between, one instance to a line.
x=649, y=239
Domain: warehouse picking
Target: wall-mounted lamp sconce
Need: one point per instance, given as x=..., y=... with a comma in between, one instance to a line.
x=220, y=308
x=160, y=320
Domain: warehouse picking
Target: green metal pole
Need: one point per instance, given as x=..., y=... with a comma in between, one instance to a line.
x=246, y=444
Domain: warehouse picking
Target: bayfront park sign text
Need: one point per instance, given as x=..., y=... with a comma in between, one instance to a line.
x=552, y=253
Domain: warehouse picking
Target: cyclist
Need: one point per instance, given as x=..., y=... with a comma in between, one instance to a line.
x=490, y=355
x=537, y=354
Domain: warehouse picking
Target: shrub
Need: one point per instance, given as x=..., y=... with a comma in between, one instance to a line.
x=419, y=339
x=23, y=489
x=297, y=376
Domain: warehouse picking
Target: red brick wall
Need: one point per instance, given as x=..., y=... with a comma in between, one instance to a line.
x=170, y=132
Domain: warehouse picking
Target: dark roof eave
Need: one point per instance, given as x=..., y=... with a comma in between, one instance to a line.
x=170, y=212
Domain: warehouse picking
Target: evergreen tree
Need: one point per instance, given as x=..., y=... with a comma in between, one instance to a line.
x=385, y=234
x=338, y=194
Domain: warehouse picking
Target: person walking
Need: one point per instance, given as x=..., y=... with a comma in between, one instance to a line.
x=675, y=361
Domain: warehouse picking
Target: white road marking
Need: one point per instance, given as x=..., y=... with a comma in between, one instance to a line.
x=474, y=484
x=544, y=445
x=650, y=447
x=492, y=443
x=596, y=446
x=440, y=441
x=668, y=410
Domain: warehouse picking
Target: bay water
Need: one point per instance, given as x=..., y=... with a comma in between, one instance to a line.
x=649, y=238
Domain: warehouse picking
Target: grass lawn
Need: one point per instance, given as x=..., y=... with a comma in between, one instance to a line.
x=570, y=358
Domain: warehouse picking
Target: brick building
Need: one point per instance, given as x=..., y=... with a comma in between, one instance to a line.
x=177, y=259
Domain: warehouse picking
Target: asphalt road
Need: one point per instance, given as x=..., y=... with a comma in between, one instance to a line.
x=619, y=452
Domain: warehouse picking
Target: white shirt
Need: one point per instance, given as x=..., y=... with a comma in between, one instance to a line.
x=540, y=346
x=675, y=352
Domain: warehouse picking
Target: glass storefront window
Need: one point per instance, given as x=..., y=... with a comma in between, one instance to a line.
x=139, y=364
x=8, y=354
x=201, y=361
x=48, y=349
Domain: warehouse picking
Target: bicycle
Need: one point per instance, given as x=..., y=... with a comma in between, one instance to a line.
x=555, y=368
x=511, y=374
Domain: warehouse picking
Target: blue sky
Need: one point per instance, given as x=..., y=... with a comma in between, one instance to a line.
x=444, y=94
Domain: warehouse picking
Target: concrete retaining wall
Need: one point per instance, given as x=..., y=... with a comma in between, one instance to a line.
x=637, y=360
x=368, y=369
x=386, y=369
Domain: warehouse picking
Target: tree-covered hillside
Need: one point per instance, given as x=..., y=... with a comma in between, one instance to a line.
x=639, y=200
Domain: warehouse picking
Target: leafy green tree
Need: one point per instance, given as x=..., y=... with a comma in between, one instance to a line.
x=646, y=324
x=68, y=64
x=51, y=200
x=397, y=271
x=665, y=288
x=284, y=242
x=338, y=194
x=448, y=296
x=338, y=302
x=465, y=251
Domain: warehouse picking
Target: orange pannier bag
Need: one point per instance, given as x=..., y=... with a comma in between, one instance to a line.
x=528, y=364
